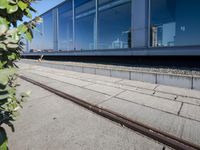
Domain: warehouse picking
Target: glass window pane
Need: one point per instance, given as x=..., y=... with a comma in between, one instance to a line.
x=175, y=22
x=48, y=32
x=84, y=24
x=114, y=24
x=65, y=27
x=36, y=43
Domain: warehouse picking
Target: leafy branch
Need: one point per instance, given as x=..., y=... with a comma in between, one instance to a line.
x=11, y=46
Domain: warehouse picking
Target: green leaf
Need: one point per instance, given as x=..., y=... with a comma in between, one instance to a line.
x=3, y=4
x=12, y=56
x=3, y=139
x=4, y=96
x=29, y=13
x=22, y=5
x=22, y=28
x=12, y=2
x=12, y=46
x=3, y=80
x=4, y=74
x=2, y=63
x=12, y=31
x=3, y=25
x=2, y=46
x=10, y=40
x=11, y=9
x=3, y=28
x=29, y=36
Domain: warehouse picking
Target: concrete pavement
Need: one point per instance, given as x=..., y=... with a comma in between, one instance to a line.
x=48, y=122
x=169, y=109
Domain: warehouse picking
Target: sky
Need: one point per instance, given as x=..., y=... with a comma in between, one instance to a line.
x=44, y=5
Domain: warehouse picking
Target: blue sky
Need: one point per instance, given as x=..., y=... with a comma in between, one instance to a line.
x=44, y=5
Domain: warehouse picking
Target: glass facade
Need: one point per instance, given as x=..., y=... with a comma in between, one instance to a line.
x=48, y=32
x=175, y=22
x=114, y=24
x=88, y=30
x=84, y=24
x=37, y=44
x=65, y=27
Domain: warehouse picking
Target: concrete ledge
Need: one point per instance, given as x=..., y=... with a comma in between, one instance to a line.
x=89, y=70
x=143, y=76
x=69, y=68
x=196, y=83
x=120, y=74
x=104, y=72
x=77, y=69
x=174, y=80
x=177, y=80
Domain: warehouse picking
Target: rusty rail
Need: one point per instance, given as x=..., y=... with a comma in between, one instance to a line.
x=160, y=136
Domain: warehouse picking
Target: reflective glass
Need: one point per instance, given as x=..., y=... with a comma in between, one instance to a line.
x=114, y=24
x=36, y=43
x=84, y=24
x=65, y=27
x=48, y=32
x=175, y=22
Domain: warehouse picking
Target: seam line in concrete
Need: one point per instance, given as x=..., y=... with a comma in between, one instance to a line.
x=180, y=109
x=92, y=83
x=159, y=110
x=127, y=85
x=192, y=83
x=107, y=99
x=145, y=105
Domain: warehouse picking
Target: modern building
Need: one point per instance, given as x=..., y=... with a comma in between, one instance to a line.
x=119, y=28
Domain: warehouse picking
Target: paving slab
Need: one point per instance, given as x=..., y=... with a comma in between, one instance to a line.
x=104, y=89
x=178, y=91
x=143, y=91
x=163, y=121
x=40, y=78
x=54, y=123
x=84, y=94
x=139, y=84
x=188, y=100
x=68, y=80
x=165, y=95
x=190, y=111
x=36, y=92
x=191, y=131
x=151, y=101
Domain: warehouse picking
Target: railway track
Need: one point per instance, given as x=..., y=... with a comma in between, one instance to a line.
x=162, y=137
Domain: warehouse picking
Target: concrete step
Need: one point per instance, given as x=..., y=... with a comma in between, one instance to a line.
x=179, y=79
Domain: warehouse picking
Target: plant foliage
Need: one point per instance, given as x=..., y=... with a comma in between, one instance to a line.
x=12, y=13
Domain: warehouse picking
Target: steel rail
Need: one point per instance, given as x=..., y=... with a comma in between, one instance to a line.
x=153, y=133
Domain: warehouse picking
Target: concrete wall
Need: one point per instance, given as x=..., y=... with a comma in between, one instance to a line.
x=183, y=81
